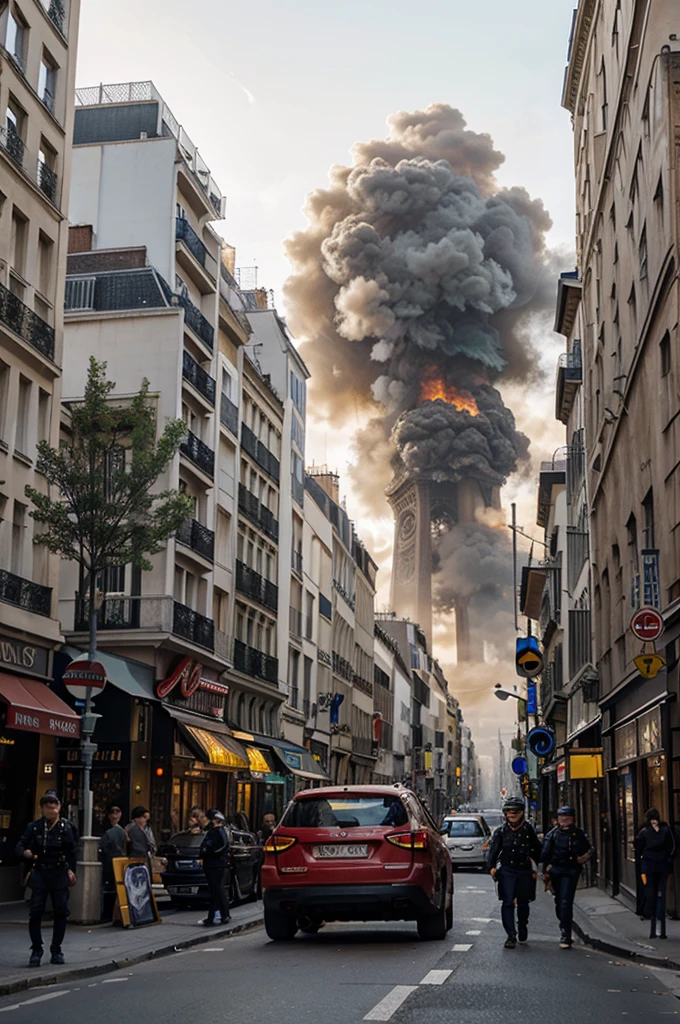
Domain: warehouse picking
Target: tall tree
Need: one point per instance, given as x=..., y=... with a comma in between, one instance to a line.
x=104, y=512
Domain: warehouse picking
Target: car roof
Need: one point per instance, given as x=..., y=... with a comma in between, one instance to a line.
x=325, y=791
x=463, y=817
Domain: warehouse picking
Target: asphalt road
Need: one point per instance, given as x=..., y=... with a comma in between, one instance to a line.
x=352, y=973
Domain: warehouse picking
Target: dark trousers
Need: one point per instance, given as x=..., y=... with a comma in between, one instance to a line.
x=655, y=897
x=51, y=882
x=514, y=884
x=218, y=885
x=564, y=882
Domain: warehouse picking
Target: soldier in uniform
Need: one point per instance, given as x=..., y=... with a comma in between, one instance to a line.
x=566, y=848
x=48, y=847
x=513, y=849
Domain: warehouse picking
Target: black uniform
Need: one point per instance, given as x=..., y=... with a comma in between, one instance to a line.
x=214, y=853
x=511, y=852
x=561, y=849
x=55, y=846
x=655, y=850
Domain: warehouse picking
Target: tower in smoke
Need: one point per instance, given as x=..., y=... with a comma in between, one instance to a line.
x=422, y=509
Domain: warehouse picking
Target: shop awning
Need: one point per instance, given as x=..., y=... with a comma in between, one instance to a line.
x=296, y=760
x=33, y=707
x=130, y=676
x=258, y=760
x=211, y=742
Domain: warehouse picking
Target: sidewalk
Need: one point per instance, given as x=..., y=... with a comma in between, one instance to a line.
x=99, y=948
x=604, y=923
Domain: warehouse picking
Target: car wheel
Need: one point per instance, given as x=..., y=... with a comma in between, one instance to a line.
x=432, y=927
x=279, y=927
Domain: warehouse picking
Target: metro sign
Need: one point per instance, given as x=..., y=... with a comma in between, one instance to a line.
x=647, y=625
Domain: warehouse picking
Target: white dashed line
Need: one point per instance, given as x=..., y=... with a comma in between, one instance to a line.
x=436, y=977
x=213, y=949
x=391, y=1003
x=112, y=981
x=36, y=999
x=482, y=920
x=462, y=947
x=473, y=932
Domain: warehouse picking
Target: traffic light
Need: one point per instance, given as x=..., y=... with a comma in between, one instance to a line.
x=528, y=657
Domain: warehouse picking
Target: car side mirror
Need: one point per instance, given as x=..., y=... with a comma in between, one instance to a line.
x=444, y=830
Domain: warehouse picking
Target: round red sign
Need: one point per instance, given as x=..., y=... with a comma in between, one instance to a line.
x=647, y=624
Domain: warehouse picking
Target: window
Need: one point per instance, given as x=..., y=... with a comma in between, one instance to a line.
x=18, y=535
x=44, y=405
x=665, y=352
x=309, y=616
x=16, y=38
x=642, y=252
x=114, y=464
x=603, y=97
x=293, y=674
x=632, y=302
x=307, y=686
x=634, y=561
x=615, y=29
x=47, y=81
x=18, y=241
x=648, y=519
x=45, y=261
x=4, y=398
x=226, y=384
x=297, y=392
x=23, y=411
x=658, y=195
x=15, y=130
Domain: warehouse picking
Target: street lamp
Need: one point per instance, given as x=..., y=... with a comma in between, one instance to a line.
x=505, y=694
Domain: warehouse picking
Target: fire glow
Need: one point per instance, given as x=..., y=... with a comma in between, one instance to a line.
x=435, y=388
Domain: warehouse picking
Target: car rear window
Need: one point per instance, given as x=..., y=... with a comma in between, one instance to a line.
x=346, y=812
x=458, y=827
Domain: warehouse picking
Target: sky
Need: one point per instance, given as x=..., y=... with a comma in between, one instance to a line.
x=273, y=94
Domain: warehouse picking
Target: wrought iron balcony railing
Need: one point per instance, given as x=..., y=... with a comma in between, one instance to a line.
x=48, y=181
x=12, y=142
x=260, y=453
x=197, y=537
x=342, y=667
x=56, y=13
x=196, y=375
x=185, y=233
x=194, y=319
x=252, y=584
x=229, y=414
x=349, y=598
x=199, y=453
x=192, y=626
x=255, y=663
x=26, y=594
x=257, y=513
x=365, y=685
x=152, y=614
x=27, y=324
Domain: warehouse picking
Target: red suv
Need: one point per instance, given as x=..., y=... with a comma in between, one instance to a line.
x=356, y=853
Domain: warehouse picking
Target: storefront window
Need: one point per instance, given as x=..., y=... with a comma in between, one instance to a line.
x=656, y=783
x=627, y=815
x=626, y=742
x=649, y=731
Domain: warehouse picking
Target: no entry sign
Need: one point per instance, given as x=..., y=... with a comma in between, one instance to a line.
x=647, y=624
x=83, y=675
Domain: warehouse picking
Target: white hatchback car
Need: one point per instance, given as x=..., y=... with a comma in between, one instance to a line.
x=467, y=837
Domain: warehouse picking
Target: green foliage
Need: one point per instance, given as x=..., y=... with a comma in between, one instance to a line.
x=105, y=513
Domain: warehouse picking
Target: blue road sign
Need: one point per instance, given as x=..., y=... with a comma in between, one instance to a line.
x=520, y=766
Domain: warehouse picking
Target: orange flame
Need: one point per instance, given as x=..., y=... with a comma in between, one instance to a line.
x=435, y=388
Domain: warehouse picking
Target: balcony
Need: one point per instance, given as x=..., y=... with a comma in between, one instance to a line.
x=258, y=514
x=365, y=685
x=197, y=376
x=577, y=554
x=192, y=626
x=569, y=377
x=229, y=414
x=194, y=319
x=186, y=234
x=13, y=144
x=342, y=667
x=260, y=453
x=252, y=584
x=362, y=745
x=198, y=453
x=27, y=324
x=47, y=181
x=295, y=622
x=296, y=561
x=579, y=640
x=348, y=598
x=255, y=663
x=26, y=594
x=197, y=537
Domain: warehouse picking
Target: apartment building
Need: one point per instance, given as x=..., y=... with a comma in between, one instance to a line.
x=620, y=89
x=38, y=43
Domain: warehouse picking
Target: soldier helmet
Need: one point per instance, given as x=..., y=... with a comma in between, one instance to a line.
x=513, y=803
x=566, y=812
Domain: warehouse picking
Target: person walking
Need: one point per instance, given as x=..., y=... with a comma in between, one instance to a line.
x=214, y=854
x=566, y=849
x=655, y=847
x=513, y=849
x=141, y=840
x=113, y=843
x=48, y=847
x=268, y=826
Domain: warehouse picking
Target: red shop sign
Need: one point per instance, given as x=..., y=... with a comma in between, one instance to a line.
x=188, y=676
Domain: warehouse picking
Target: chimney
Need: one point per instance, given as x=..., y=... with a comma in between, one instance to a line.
x=330, y=482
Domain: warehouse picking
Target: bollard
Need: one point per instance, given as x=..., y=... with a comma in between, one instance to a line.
x=86, y=895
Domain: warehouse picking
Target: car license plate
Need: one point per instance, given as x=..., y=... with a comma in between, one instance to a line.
x=187, y=864
x=336, y=851
x=191, y=890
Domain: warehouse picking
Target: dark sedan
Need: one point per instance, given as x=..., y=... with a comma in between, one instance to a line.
x=185, y=882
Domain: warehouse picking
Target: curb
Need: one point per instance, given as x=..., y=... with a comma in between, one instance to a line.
x=40, y=980
x=624, y=952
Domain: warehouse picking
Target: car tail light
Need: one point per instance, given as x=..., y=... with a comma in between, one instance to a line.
x=277, y=844
x=409, y=840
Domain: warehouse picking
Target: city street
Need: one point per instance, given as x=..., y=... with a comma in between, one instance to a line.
x=350, y=973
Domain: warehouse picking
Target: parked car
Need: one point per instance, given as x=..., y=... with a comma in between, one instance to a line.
x=467, y=839
x=356, y=853
x=183, y=877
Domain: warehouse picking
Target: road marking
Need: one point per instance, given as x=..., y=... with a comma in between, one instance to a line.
x=436, y=977
x=613, y=990
x=462, y=947
x=112, y=981
x=213, y=949
x=482, y=920
x=391, y=1003
x=36, y=999
x=473, y=932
